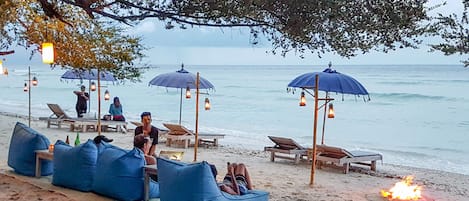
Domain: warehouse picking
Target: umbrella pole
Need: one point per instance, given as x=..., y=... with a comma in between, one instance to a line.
x=89, y=93
x=180, y=108
x=196, y=143
x=99, y=105
x=324, y=119
x=313, y=165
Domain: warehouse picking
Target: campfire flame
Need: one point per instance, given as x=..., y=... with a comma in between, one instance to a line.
x=403, y=190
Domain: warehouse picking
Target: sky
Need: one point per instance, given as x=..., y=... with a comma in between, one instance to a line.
x=215, y=46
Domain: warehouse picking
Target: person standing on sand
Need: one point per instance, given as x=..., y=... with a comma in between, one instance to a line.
x=148, y=130
x=82, y=98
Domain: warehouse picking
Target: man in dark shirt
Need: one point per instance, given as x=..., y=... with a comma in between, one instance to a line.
x=148, y=131
x=82, y=98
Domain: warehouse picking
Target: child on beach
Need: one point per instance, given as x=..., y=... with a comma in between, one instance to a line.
x=236, y=181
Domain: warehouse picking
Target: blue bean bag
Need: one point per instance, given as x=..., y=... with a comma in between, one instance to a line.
x=119, y=174
x=195, y=182
x=21, y=155
x=74, y=167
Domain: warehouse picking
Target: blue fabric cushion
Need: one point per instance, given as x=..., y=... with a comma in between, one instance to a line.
x=195, y=182
x=119, y=174
x=74, y=167
x=21, y=155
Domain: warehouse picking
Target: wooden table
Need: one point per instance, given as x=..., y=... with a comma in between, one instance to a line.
x=42, y=155
x=147, y=171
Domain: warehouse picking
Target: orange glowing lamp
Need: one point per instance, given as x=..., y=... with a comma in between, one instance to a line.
x=207, y=104
x=331, y=113
x=25, y=88
x=188, y=93
x=93, y=86
x=47, y=53
x=107, y=96
x=302, y=99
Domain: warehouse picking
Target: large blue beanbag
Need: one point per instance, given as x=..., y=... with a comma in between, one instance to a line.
x=74, y=167
x=195, y=182
x=119, y=174
x=21, y=155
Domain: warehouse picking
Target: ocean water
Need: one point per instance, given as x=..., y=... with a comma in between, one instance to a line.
x=417, y=116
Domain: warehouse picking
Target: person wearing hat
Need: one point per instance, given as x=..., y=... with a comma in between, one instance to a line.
x=82, y=98
x=148, y=130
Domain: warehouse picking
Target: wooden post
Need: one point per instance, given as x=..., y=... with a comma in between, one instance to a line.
x=99, y=104
x=196, y=143
x=29, y=95
x=313, y=165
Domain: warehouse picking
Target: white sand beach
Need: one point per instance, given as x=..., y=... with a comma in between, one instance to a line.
x=283, y=179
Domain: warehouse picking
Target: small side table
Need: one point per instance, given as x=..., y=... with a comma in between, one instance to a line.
x=147, y=171
x=42, y=155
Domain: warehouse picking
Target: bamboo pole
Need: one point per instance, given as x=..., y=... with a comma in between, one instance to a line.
x=99, y=104
x=196, y=143
x=324, y=118
x=313, y=165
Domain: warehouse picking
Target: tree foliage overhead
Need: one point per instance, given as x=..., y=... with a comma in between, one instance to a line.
x=346, y=28
x=79, y=42
x=343, y=27
x=454, y=31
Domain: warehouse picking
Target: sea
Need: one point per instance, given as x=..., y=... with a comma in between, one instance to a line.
x=417, y=115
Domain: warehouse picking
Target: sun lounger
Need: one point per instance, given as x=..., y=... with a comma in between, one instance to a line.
x=285, y=148
x=58, y=116
x=343, y=158
x=180, y=134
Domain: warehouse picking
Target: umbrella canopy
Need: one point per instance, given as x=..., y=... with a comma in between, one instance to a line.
x=88, y=75
x=181, y=79
x=330, y=81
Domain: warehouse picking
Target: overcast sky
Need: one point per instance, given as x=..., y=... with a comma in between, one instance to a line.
x=215, y=46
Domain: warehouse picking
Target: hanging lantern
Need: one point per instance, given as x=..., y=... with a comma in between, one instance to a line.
x=331, y=111
x=47, y=53
x=207, y=104
x=25, y=88
x=3, y=70
x=93, y=86
x=188, y=93
x=107, y=96
x=34, y=81
x=302, y=99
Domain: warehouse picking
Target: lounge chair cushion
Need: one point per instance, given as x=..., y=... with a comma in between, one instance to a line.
x=119, y=174
x=74, y=167
x=21, y=154
x=195, y=182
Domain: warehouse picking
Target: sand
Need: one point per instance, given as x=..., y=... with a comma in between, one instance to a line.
x=282, y=179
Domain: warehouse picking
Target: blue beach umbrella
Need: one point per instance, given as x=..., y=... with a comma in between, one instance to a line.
x=88, y=75
x=329, y=80
x=181, y=79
